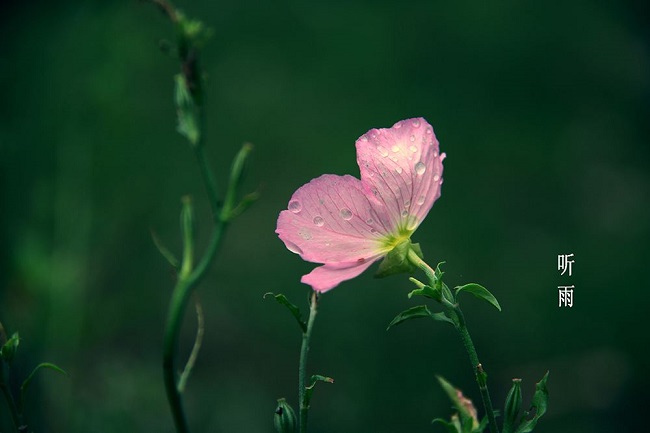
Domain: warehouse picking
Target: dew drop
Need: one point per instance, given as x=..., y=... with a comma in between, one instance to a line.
x=346, y=214
x=429, y=131
x=407, y=203
x=373, y=231
x=393, y=158
x=413, y=149
x=293, y=247
x=382, y=151
x=305, y=234
x=412, y=138
x=436, y=178
x=416, y=123
x=398, y=170
x=420, y=200
x=364, y=138
x=370, y=221
x=404, y=213
x=435, y=154
x=395, y=148
x=295, y=206
x=318, y=221
x=398, y=125
x=420, y=168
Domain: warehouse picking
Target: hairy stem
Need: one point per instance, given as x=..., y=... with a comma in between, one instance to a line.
x=302, y=368
x=481, y=375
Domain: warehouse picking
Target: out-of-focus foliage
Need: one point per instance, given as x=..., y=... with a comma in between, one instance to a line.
x=541, y=107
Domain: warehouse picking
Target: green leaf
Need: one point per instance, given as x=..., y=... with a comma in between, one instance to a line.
x=25, y=385
x=416, y=313
x=512, y=407
x=539, y=405
x=295, y=311
x=187, y=112
x=162, y=249
x=437, y=276
x=310, y=389
x=480, y=292
x=451, y=428
x=424, y=290
x=8, y=350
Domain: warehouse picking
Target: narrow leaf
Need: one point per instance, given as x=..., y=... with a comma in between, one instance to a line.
x=25, y=385
x=295, y=311
x=451, y=428
x=539, y=405
x=480, y=292
x=411, y=313
x=310, y=389
x=162, y=249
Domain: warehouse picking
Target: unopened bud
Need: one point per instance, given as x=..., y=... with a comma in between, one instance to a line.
x=284, y=418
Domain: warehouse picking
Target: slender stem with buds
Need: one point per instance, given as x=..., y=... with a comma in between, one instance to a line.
x=302, y=369
x=461, y=327
x=15, y=414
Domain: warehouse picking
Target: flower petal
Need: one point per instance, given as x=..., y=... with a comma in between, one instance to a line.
x=331, y=220
x=328, y=276
x=401, y=169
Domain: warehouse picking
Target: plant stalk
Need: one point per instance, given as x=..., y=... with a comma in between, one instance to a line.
x=302, y=368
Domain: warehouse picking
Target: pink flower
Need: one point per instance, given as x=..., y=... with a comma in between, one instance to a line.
x=347, y=224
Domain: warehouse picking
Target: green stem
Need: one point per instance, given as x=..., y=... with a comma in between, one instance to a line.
x=302, y=368
x=15, y=415
x=481, y=375
x=177, y=308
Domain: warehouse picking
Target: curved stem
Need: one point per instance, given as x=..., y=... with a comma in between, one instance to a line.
x=177, y=308
x=302, y=368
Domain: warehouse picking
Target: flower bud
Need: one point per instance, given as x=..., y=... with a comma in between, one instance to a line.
x=284, y=418
x=8, y=350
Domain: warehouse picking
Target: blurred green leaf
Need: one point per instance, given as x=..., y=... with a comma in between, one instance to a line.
x=480, y=292
x=539, y=405
x=416, y=313
x=295, y=311
x=9, y=349
x=451, y=428
x=25, y=385
x=187, y=112
x=164, y=251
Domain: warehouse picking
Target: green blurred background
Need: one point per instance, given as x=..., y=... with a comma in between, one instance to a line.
x=541, y=107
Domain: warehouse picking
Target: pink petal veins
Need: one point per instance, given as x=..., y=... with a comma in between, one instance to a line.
x=401, y=169
x=331, y=220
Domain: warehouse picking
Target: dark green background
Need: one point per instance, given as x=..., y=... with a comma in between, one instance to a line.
x=541, y=107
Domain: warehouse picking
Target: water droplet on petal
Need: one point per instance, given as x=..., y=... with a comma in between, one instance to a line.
x=398, y=170
x=413, y=148
x=412, y=138
x=318, y=221
x=398, y=125
x=393, y=158
x=436, y=178
x=305, y=234
x=420, y=200
x=435, y=154
x=373, y=231
x=420, y=168
x=404, y=213
x=395, y=148
x=295, y=206
x=416, y=123
x=382, y=151
x=429, y=130
x=346, y=214
x=407, y=203
x=364, y=138
x=370, y=221
x=293, y=247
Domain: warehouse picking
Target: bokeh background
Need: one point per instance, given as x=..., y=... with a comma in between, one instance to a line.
x=541, y=107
